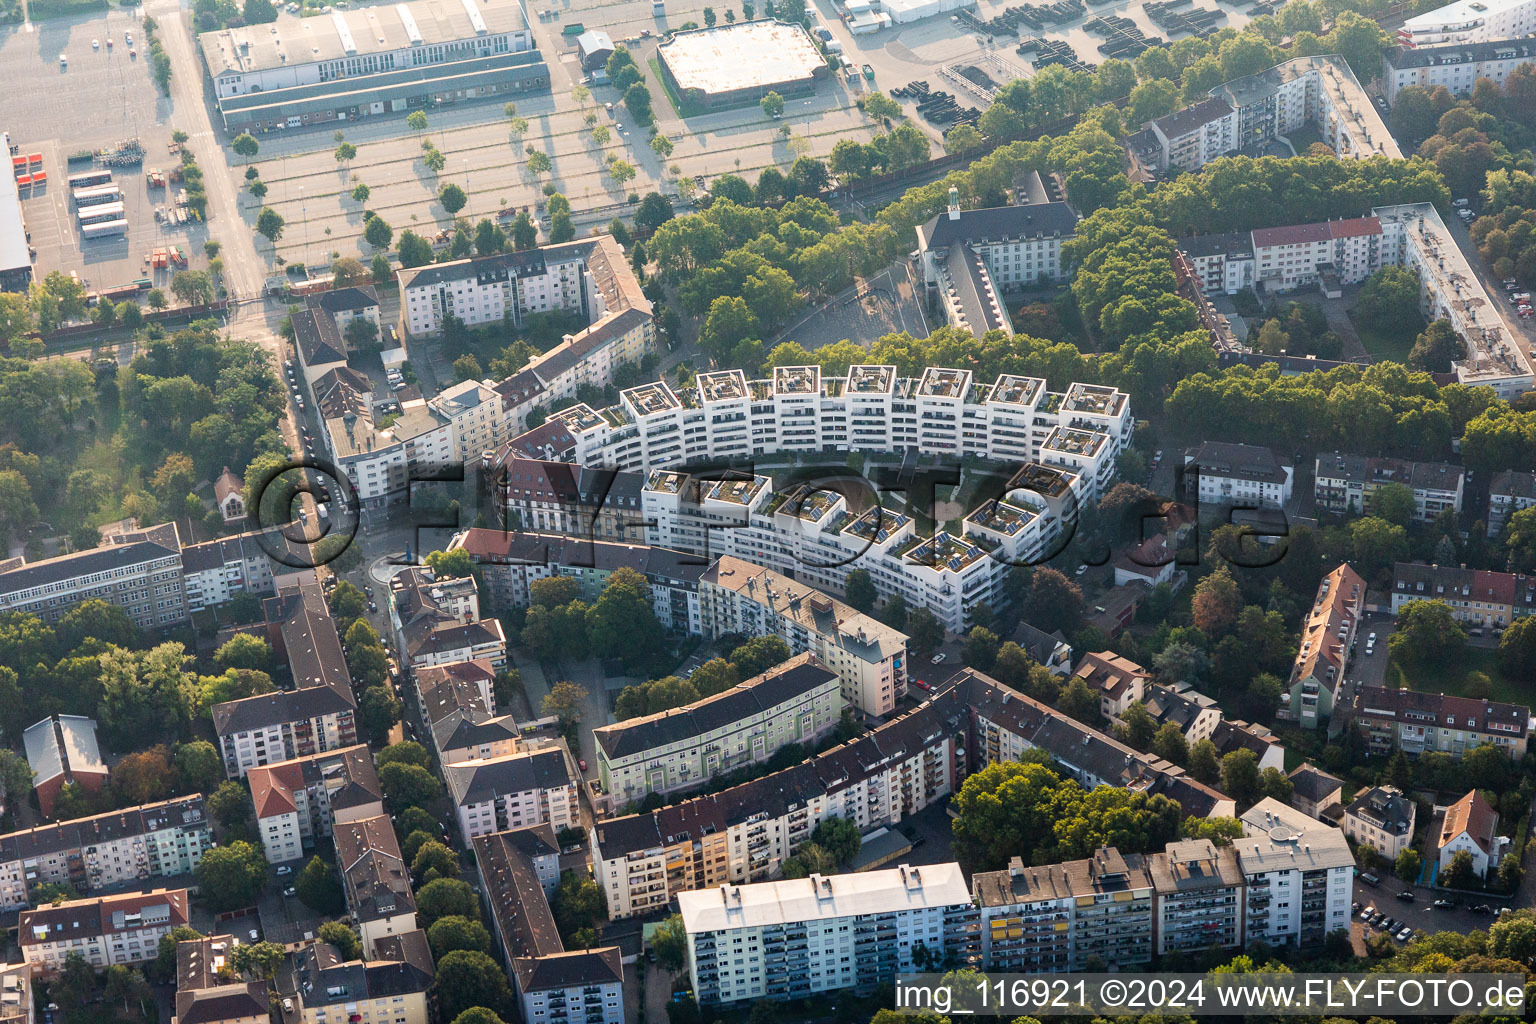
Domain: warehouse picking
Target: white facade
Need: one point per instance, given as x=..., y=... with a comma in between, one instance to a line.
x=533, y=787
x=1299, y=873
x=1470, y=21
x=110, y=930
x=1456, y=66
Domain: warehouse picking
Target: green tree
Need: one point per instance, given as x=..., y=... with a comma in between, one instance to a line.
x=1461, y=873
x=450, y=933
x=269, y=224
x=340, y=935
x=980, y=648
x=407, y=785
x=1517, y=649
x=839, y=837
x=565, y=700
x=378, y=234
x=1393, y=502
x=1240, y=776
x=670, y=943
x=859, y=589
x=759, y=654
x=1427, y=634
x=319, y=889
x=1437, y=348
x=244, y=650
x=433, y=860
x=468, y=978
x=231, y=876
x=199, y=766
x=345, y=152
x=417, y=121
x=622, y=622
x=414, y=250
x=445, y=897
x=452, y=197
x=1408, y=865
x=245, y=145
x=230, y=804
x=772, y=104
x=1204, y=764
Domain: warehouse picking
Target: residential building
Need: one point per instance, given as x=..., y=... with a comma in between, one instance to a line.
x=1327, y=636
x=1320, y=92
x=1345, y=484
x=458, y=708
x=473, y=409
x=207, y=994
x=290, y=74
x=1416, y=722
x=376, y=880
x=468, y=740
x=319, y=715
x=229, y=495
x=1469, y=21
x=1509, y=491
x=346, y=304
x=1195, y=714
x=795, y=938
x=798, y=701
x=1118, y=682
x=519, y=870
x=1337, y=253
x=1382, y=818
x=942, y=412
x=16, y=1004
x=1200, y=895
x=137, y=570
x=544, y=496
x=419, y=444
x=1299, y=875
x=1477, y=597
x=1231, y=735
x=1456, y=66
x=437, y=621
x=530, y=787
x=1314, y=791
x=737, y=597
x=217, y=570
x=298, y=801
x=63, y=749
x=1048, y=649
x=509, y=562
x=915, y=759
x=131, y=845
x=971, y=258
x=105, y=930
x=1471, y=826
x=389, y=986
x=1238, y=474
x=1055, y=918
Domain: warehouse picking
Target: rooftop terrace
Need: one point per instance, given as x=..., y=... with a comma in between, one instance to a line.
x=942, y=382
x=651, y=398
x=797, y=380
x=870, y=380
x=722, y=385
x=1002, y=517
x=1075, y=442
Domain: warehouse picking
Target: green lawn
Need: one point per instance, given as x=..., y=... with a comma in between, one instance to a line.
x=1453, y=678
x=1393, y=346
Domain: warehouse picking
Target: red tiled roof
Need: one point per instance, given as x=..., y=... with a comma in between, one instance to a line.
x=1472, y=815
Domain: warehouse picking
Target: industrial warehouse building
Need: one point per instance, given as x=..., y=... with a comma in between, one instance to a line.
x=15, y=257
x=737, y=65
x=381, y=60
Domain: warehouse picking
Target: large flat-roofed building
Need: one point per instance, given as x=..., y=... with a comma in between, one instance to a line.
x=795, y=938
x=106, y=930
x=796, y=702
x=735, y=65
x=1457, y=66
x=1470, y=21
x=351, y=64
x=138, y=570
x=63, y=749
x=129, y=845
x=1299, y=873
x=15, y=256
x=1199, y=897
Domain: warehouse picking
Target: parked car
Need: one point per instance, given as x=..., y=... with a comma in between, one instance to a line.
x=1482, y=908
x=1405, y=934
x=1443, y=904
x=290, y=891
x=284, y=870
x=1406, y=896
x=938, y=659
x=582, y=762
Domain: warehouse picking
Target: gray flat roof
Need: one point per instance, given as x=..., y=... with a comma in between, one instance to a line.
x=13, y=231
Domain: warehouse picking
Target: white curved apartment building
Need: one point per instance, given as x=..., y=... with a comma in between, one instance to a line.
x=943, y=412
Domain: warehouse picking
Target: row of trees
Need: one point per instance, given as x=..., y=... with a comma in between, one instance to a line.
x=714, y=676
x=621, y=623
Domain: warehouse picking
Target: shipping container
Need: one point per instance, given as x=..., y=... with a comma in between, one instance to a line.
x=101, y=214
x=110, y=229
x=89, y=179
x=97, y=196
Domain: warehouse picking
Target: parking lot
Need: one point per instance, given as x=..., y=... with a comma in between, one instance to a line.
x=1421, y=914
x=101, y=98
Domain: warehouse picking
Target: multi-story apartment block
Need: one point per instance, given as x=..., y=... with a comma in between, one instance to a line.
x=140, y=571
x=544, y=496
x=437, y=621
x=1200, y=897
x=105, y=930
x=518, y=872
x=1478, y=597
x=1345, y=483
x=1327, y=636
x=383, y=461
x=457, y=704
x=217, y=570
x=971, y=257
x=473, y=410
x=744, y=833
x=1299, y=875
x=1118, y=682
x=1221, y=473
x=1457, y=66
x=816, y=536
x=1471, y=826
x=16, y=1005
x=1470, y=21
x=1195, y=714
x=1416, y=722
x=134, y=844
x=530, y=787
x=796, y=702
x=1509, y=491
x=376, y=880
x=319, y=715
x=737, y=597
x=794, y=939
x=509, y=562
x=297, y=801
x=941, y=412
x=206, y=990
x=388, y=986
x=60, y=749
x=1059, y=917
x=1318, y=91
x=1381, y=818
